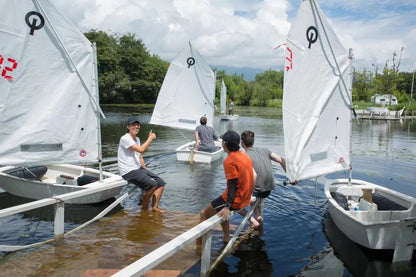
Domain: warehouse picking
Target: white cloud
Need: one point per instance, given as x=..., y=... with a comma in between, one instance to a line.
x=243, y=33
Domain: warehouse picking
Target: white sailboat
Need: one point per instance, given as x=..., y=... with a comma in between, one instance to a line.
x=317, y=111
x=49, y=107
x=223, y=104
x=187, y=94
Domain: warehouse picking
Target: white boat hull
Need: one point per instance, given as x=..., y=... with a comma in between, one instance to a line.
x=369, y=224
x=52, y=185
x=186, y=152
x=229, y=117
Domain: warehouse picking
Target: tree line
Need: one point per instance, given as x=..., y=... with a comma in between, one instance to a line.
x=129, y=74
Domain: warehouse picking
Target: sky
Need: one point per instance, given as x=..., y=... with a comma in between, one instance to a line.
x=244, y=33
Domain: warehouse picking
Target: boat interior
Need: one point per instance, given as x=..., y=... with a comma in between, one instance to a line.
x=372, y=204
x=55, y=174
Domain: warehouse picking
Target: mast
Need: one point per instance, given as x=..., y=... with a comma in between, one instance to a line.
x=411, y=91
x=350, y=57
x=96, y=90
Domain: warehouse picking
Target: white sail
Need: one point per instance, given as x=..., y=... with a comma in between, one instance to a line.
x=223, y=99
x=317, y=97
x=48, y=112
x=187, y=92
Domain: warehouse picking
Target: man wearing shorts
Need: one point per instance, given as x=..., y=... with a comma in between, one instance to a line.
x=240, y=177
x=262, y=162
x=132, y=167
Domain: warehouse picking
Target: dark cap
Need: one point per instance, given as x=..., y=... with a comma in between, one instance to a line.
x=133, y=119
x=232, y=139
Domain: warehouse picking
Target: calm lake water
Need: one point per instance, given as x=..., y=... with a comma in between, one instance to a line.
x=299, y=238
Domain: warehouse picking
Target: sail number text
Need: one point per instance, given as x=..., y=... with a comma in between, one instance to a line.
x=7, y=68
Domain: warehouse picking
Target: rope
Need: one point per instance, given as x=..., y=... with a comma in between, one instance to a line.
x=9, y=248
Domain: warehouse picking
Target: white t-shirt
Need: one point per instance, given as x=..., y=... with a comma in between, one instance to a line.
x=128, y=160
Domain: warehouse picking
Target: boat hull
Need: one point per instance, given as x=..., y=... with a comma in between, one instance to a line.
x=52, y=184
x=186, y=153
x=229, y=117
x=369, y=224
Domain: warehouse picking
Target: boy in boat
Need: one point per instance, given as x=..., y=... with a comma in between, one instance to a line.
x=262, y=162
x=206, y=135
x=132, y=167
x=240, y=177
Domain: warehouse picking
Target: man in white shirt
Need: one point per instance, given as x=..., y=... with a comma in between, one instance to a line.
x=132, y=167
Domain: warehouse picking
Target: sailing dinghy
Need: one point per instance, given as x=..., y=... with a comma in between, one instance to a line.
x=49, y=107
x=223, y=104
x=187, y=94
x=317, y=112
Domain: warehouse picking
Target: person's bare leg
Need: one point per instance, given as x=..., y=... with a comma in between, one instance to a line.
x=226, y=230
x=206, y=213
x=156, y=198
x=253, y=221
x=146, y=198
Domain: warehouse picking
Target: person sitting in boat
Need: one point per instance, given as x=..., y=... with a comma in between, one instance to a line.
x=132, y=167
x=206, y=135
x=230, y=106
x=262, y=162
x=240, y=177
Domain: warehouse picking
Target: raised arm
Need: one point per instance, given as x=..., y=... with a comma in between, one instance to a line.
x=143, y=147
x=279, y=160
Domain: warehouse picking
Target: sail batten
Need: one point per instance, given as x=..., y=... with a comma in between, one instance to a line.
x=316, y=126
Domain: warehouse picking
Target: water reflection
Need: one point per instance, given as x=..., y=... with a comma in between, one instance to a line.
x=361, y=261
x=252, y=258
x=294, y=241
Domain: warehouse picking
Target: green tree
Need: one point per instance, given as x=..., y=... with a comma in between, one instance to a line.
x=108, y=60
x=127, y=73
x=363, y=86
x=269, y=86
x=386, y=83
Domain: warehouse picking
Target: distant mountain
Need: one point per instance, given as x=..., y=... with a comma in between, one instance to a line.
x=249, y=74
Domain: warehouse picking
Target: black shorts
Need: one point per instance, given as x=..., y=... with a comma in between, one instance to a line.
x=218, y=204
x=143, y=178
x=262, y=194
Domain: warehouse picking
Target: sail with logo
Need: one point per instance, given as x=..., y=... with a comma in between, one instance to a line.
x=187, y=94
x=316, y=142
x=49, y=106
x=317, y=111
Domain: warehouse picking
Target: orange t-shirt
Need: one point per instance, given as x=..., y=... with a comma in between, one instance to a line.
x=238, y=165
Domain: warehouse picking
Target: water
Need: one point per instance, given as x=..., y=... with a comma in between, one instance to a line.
x=299, y=238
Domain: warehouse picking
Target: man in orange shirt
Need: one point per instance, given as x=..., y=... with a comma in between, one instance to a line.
x=240, y=176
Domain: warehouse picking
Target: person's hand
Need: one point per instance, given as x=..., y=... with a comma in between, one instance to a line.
x=224, y=214
x=152, y=135
x=294, y=183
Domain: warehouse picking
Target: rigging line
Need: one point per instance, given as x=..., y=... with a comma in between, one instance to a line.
x=179, y=131
x=70, y=59
x=9, y=248
x=315, y=9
